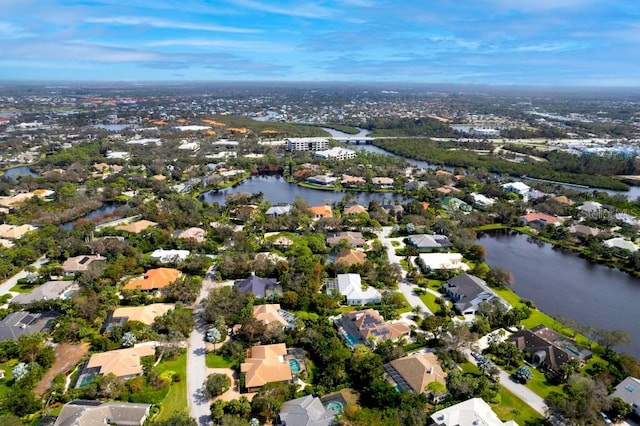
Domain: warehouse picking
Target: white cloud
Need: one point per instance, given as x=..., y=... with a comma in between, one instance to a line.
x=255, y=45
x=161, y=23
x=296, y=9
x=11, y=31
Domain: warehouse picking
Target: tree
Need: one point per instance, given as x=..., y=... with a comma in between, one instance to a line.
x=619, y=409
x=20, y=371
x=500, y=277
x=581, y=401
x=128, y=339
x=178, y=418
x=523, y=374
x=611, y=338
x=434, y=324
x=436, y=389
x=216, y=384
x=213, y=336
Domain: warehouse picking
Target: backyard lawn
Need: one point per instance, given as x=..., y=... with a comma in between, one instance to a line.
x=176, y=399
x=430, y=300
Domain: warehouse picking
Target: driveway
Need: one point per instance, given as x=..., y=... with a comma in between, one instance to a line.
x=13, y=281
x=197, y=368
x=404, y=286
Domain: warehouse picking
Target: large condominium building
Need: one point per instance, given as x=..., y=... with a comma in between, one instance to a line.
x=307, y=144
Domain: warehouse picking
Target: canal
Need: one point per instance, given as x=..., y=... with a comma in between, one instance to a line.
x=563, y=284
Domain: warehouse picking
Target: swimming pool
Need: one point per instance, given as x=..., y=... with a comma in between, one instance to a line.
x=335, y=406
x=351, y=340
x=295, y=365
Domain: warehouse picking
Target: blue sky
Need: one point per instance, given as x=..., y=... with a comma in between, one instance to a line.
x=539, y=42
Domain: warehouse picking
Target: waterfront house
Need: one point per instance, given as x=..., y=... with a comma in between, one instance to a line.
x=621, y=243
x=279, y=210
x=467, y=293
x=51, y=290
x=382, y=182
x=547, y=348
x=440, y=261
x=429, y=241
x=587, y=231
x=453, y=203
x=320, y=212
x=353, y=181
x=539, y=220
x=321, y=180
x=354, y=209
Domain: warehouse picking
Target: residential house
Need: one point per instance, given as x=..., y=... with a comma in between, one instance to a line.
x=563, y=199
x=51, y=290
x=467, y=293
x=305, y=411
x=369, y=327
x=517, y=187
x=154, y=279
x=350, y=257
x=279, y=210
x=534, y=194
x=170, y=256
x=621, y=243
x=13, y=232
x=427, y=241
x=81, y=263
x=590, y=207
x=17, y=324
x=353, y=181
x=354, y=209
x=355, y=239
x=123, y=363
x=587, y=231
x=482, y=200
x=92, y=413
x=244, y=212
x=136, y=227
x=413, y=373
x=273, y=316
x=539, y=220
x=282, y=242
x=320, y=212
x=322, y=180
x=350, y=286
x=440, y=261
x=195, y=234
x=453, y=203
x=547, y=348
x=145, y=314
x=629, y=391
x=472, y=412
x=264, y=288
x=382, y=182
x=265, y=364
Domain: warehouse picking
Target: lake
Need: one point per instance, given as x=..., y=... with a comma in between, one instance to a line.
x=563, y=284
x=277, y=190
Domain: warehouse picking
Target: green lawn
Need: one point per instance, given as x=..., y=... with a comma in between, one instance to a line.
x=513, y=408
x=7, y=367
x=430, y=300
x=407, y=308
x=23, y=288
x=217, y=361
x=176, y=399
x=491, y=227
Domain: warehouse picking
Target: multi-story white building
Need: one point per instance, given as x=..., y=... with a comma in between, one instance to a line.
x=307, y=144
x=336, y=153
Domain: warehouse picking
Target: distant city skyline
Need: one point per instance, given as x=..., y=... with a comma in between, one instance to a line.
x=496, y=42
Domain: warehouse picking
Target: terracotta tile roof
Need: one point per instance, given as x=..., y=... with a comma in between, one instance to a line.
x=121, y=362
x=136, y=227
x=154, y=279
x=351, y=257
x=265, y=364
x=144, y=314
x=269, y=314
x=540, y=217
x=356, y=209
x=563, y=199
x=324, y=211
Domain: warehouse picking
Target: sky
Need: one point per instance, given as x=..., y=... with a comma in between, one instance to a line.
x=512, y=42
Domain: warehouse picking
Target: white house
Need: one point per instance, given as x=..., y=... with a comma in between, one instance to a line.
x=621, y=243
x=482, y=200
x=350, y=286
x=307, y=144
x=336, y=153
x=170, y=256
x=517, y=187
x=629, y=391
x=472, y=412
x=438, y=261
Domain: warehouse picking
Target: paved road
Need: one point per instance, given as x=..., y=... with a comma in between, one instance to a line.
x=405, y=287
x=197, y=368
x=13, y=281
x=529, y=397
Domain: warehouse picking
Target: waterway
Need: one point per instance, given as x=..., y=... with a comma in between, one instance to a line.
x=563, y=284
x=108, y=211
x=278, y=190
x=14, y=172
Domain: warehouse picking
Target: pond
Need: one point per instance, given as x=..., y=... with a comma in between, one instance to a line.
x=563, y=284
x=278, y=190
x=14, y=172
